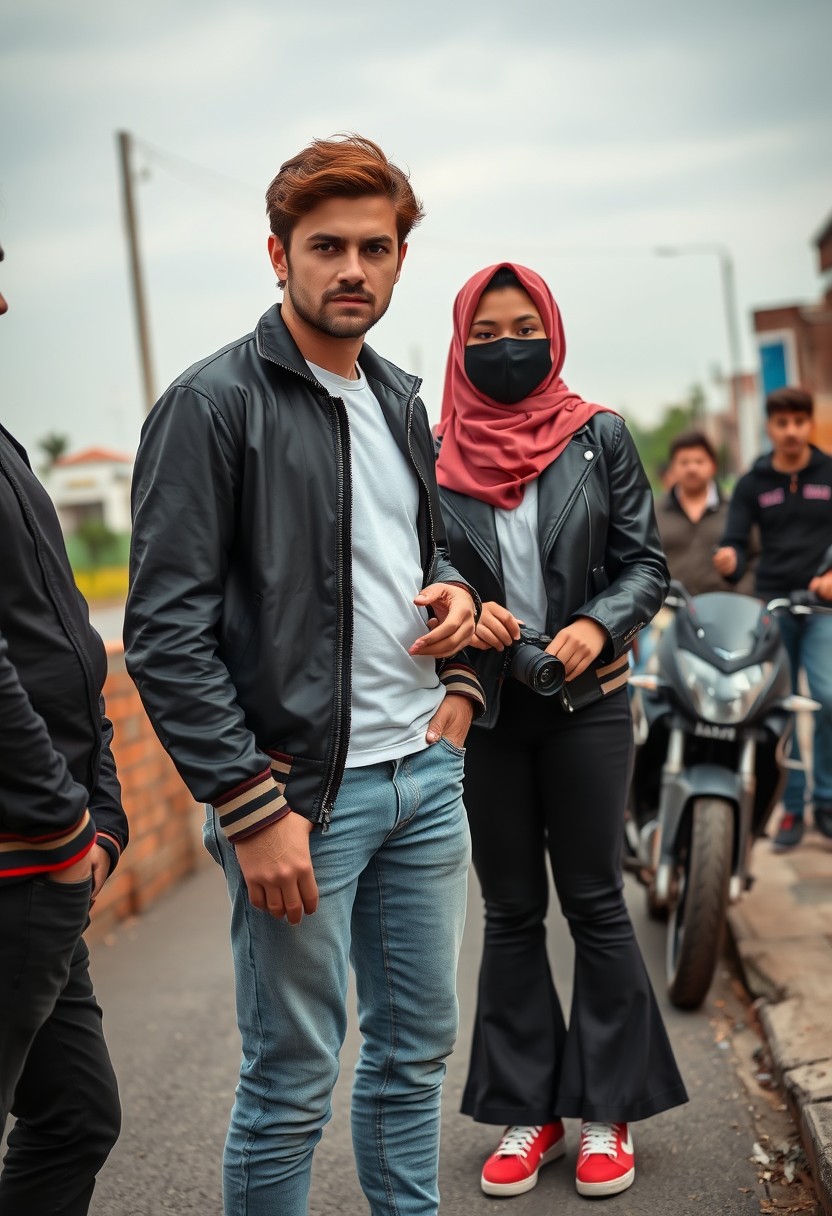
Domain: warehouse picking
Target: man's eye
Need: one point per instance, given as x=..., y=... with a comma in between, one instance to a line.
x=324, y=246
x=377, y=249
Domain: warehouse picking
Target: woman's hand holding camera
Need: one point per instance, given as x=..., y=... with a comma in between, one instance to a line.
x=496, y=629
x=578, y=645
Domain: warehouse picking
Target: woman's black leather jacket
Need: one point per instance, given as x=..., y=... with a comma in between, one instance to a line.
x=600, y=549
x=238, y=627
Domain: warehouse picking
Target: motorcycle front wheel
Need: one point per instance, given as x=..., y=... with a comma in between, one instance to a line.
x=697, y=915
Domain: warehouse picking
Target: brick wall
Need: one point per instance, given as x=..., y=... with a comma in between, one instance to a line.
x=165, y=822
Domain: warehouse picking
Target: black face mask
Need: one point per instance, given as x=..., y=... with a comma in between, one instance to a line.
x=510, y=368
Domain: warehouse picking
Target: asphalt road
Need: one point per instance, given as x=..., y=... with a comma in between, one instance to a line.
x=165, y=985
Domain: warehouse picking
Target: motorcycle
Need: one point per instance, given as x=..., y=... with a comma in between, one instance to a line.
x=713, y=716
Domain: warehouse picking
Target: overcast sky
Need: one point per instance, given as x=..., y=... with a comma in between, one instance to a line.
x=574, y=137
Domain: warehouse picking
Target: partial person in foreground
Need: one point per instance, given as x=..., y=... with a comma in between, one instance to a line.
x=788, y=494
x=294, y=627
x=549, y=512
x=62, y=830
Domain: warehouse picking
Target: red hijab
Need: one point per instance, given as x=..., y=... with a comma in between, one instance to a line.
x=490, y=450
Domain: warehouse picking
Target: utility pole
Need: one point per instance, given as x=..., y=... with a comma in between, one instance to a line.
x=125, y=145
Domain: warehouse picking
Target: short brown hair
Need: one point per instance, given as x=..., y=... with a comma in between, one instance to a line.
x=789, y=401
x=693, y=439
x=346, y=166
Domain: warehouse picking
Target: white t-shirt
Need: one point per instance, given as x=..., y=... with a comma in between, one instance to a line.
x=517, y=535
x=394, y=696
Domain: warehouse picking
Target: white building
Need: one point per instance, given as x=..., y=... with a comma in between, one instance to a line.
x=93, y=484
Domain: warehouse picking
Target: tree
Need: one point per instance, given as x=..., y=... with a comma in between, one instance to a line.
x=653, y=443
x=97, y=538
x=53, y=446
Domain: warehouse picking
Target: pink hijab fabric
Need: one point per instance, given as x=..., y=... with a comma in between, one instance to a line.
x=490, y=451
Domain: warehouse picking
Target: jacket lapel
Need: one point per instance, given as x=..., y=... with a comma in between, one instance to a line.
x=561, y=484
x=477, y=521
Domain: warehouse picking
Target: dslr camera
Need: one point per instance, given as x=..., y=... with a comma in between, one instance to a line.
x=531, y=665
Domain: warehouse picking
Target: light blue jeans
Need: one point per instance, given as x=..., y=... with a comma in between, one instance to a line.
x=392, y=877
x=808, y=640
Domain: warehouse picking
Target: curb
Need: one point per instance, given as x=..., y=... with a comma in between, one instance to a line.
x=798, y=1031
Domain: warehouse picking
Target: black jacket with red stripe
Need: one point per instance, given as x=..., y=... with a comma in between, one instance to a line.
x=58, y=786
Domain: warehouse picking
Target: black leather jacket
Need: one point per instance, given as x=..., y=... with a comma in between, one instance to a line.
x=58, y=786
x=600, y=549
x=238, y=627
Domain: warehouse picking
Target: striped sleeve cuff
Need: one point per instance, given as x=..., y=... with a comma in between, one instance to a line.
x=111, y=846
x=461, y=679
x=250, y=806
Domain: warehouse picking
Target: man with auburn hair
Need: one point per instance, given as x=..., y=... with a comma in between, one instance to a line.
x=293, y=627
x=62, y=831
x=788, y=494
x=692, y=517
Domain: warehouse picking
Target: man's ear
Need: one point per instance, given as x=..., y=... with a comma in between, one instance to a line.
x=402, y=255
x=279, y=258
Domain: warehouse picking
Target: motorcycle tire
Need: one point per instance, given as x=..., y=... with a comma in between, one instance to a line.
x=657, y=912
x=696, y=924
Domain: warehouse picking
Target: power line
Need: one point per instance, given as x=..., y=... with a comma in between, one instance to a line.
x=192, y=173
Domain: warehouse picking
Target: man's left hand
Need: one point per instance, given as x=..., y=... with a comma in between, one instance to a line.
x=822, y=585
x=451, y=624
x=100, y=870
x=452, y=720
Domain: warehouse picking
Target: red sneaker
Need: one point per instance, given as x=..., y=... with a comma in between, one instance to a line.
x=606, y=1160
x=513, y=1167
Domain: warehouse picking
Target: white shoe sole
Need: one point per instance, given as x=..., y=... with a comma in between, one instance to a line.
x=597, y=1190
x=526, y=1184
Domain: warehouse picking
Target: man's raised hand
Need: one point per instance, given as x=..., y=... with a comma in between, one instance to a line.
x=451, y=623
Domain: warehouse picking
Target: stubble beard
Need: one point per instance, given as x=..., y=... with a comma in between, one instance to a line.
x=336, y=327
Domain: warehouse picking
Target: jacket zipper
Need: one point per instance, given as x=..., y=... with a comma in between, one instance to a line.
x=587, y=588
x=408, y=424
x=340, y=742
x=556, y=527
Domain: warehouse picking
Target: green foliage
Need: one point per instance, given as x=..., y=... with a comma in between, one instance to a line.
x=653, y=443
x=99, y=541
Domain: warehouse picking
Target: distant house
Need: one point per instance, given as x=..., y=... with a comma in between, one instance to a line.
x=795, y=342
x=92, y=484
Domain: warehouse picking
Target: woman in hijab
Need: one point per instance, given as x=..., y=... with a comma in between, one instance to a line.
x=550, y=516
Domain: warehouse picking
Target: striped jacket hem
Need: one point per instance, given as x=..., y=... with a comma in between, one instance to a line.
x=24, y=857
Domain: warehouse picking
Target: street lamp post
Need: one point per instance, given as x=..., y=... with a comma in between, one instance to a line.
x=729, y=302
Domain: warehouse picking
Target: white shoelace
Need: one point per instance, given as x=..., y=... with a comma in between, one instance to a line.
x=517, y=1141
x=598, y=1138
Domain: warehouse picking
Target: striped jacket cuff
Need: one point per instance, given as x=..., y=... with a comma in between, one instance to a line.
x=111, y=846
x=250, y=806
x=461, y=679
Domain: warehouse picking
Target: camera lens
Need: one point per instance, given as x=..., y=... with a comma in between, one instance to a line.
x=547, y=674
x=541, y=672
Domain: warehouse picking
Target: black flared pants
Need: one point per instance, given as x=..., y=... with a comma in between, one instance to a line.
x=547, y=782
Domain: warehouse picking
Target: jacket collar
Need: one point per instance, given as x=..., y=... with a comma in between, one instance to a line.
x=713, y=504
x=274, y=342
x=763, y=464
